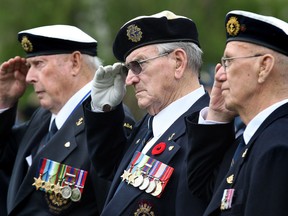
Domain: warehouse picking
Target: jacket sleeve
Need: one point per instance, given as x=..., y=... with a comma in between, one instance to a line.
x=106, y=139
x=207, y=145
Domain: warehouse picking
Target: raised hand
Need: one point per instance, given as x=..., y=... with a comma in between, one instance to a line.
x=12, y=81
x=217, y=109
x=108, y=88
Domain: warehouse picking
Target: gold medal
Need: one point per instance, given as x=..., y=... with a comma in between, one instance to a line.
x=145, y=184
x=57, y=189
x=66, y=192
x=37, y=182
x=158, y=189
x=151, y=187
x=47, y=186
x=75, y=194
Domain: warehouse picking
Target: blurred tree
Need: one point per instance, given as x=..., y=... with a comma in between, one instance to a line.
x=102, y=19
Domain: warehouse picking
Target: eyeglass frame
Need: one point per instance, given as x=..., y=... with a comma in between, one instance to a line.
x=224, y=59
x=139, y=63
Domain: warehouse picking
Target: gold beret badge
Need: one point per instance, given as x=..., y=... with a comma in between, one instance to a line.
x=26, y=44
x=233, y=26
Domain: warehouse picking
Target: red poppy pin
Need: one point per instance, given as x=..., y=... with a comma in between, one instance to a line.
x=159, y=148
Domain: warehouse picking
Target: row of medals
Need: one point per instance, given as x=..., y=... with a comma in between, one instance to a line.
x=143, y=181
x=65, y=191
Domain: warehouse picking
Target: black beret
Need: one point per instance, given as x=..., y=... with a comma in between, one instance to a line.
x=262, y=30
x=162, y=27
x=56, y=39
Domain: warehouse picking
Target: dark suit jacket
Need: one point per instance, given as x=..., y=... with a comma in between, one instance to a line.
x=23, y=198
x=260, y=177
x=176, y=198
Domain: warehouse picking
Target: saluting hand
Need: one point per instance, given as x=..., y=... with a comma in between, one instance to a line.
x=108, y=88
x=217, y=109
x=12, y=81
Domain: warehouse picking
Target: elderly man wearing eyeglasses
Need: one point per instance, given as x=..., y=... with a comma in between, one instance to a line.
x=160, y=57
x=253, y=83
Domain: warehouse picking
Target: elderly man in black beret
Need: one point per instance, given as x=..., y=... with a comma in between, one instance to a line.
x=52, y=173
x=253, y=83
x=163, y=57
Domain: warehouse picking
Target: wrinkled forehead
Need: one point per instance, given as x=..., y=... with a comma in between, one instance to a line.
x=240, y=46
x=142, y=52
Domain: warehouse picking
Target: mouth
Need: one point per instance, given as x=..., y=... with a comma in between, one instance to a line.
x=39, y=93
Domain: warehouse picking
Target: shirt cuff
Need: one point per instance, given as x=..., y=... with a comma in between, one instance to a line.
x=203, y=115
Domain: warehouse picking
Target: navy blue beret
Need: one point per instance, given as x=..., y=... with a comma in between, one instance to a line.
x=163, y=27
x=56, y=39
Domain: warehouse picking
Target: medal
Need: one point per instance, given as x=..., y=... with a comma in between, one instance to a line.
x=57, y=188
x=145, y=184
x=125, y=175
x=151, y=187
x=131, y=178
x=226, y=201
x=76, y=195
x=158, y=189
x=66, y=192
x=37, y=182
x=138, y=180
x=48, y=186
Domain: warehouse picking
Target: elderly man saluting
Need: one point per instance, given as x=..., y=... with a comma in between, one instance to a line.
x=52, y=173
x=252, y=82
x=163, y=57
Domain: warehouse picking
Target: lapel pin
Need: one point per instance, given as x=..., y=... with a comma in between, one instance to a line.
x=67, y=144
x=80, y=121
x=230, y=179
x=171, y=137
x=244, y=153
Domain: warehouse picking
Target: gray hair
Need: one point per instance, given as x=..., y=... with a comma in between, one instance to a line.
x=93, y=62
x=194, y=53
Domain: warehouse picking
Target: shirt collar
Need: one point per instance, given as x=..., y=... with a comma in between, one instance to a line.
x=71, y=104
x=166, y=117
x=256, y=122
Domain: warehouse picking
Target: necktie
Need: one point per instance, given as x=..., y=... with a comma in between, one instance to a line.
x=148, y=135
x=51, y=132
x=45, y=139
x=240, y=147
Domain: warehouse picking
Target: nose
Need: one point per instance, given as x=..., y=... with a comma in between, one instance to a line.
x=220, y=73
x=31, y=76
x=131, y=78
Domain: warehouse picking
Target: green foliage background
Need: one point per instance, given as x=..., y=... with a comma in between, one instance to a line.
x=103, y=18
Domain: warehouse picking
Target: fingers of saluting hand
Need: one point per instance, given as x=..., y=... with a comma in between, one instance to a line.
x=14, y=65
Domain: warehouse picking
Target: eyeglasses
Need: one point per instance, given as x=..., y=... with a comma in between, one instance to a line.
x=225, y=61
x=135, y=66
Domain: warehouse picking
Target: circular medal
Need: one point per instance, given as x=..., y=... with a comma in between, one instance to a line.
x=138, y=181
x=158, y=189
x=151, y=187
x=145, y=184
x=76, y=195
x=66, y=192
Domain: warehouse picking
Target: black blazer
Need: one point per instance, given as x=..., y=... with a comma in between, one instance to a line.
x=112, y=156
x=23, y=198
x=259, y=176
